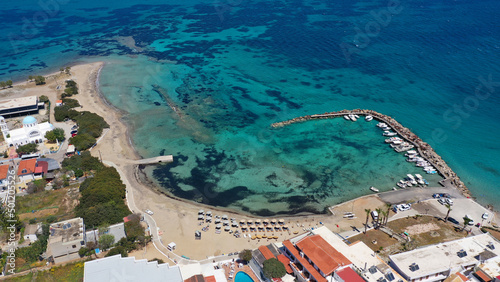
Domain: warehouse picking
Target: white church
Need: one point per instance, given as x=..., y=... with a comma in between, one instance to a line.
x=31, y=132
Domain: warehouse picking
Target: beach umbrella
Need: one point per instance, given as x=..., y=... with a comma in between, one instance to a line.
x=224, y=216
x=209, y=213
x=269, y=228
x=264, y=236
x=217, y=220
x=242, y=222
x=227, y=228
x=261, y=227
x=273, y=221
x=285, y=226
x=218, y=226
x=201, y=211
x=265, y=221
x=243, y=228
x=225, y=222
x=234, y=224
x=250, y=221
x=281, y=221
x=201, y=216
x=257, y=221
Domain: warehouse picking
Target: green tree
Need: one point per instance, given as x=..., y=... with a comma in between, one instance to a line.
x=274, y=268
x=78, y=173
x=27, y=149
x=67, y=70
x=368, y=211
x=85, y=161
x=466, y=221
x=160, y=261
x=54, y=135
x=245, y=255
x=9, y=83
x=3, y=84
x=72, y=103
x=43, y=99
x=82, y=141
x=379, y=211
x=39, y=80
x=106, y=241
x=30, y=78
x=83, y=251
x=119, y=250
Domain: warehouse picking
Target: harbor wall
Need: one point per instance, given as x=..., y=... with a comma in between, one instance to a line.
x=423, y=148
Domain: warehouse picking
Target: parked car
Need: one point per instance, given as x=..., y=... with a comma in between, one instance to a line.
x=74, y=131
x=436, y=196
x=441, y=201
x=75, y=127
x=452, y=220
x=149, y=212
x=485, y=216
x=404, y=207
x=449, y=201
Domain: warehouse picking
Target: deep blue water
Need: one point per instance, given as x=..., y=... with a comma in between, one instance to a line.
x=233, y=68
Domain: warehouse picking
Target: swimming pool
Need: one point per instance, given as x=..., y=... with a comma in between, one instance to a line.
x=242, y=277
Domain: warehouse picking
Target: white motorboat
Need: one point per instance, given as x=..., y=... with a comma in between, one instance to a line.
x=356, y=116
x=368, y=118
x=412, y=152
x=420, y=181
x=410, y=176
x=352, y=117
x=374, y=189
x=401, y=184
x=346, y=117
x=394, y=188
x=418, y=176
x=388, y=133
x=381, y=124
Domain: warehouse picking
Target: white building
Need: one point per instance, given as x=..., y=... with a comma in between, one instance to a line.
x=437, y=262
x=31, y=132
x=116, y=268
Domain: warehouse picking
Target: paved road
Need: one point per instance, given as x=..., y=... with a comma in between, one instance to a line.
x=416, y=194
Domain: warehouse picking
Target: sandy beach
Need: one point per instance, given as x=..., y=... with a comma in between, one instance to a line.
x=177, y=220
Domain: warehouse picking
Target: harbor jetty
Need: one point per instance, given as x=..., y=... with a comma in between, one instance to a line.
x=423, y=148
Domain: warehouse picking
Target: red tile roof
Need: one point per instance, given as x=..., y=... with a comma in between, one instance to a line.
x=41, y=167
x=210, y=279
x=3, y=171
x=287, y=244
x=284, y=260
x=322, y=254
x=195, y=278
x=266, y=252
x=481, y=275
x=347, y=274
x=462, y=276
x=28, y=165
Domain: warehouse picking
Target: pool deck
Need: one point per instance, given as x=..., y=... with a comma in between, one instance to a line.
x=245, y=268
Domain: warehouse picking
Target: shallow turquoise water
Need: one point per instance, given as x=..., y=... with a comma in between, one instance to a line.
x=230, y=73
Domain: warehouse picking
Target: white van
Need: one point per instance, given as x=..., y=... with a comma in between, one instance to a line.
x=375, y=215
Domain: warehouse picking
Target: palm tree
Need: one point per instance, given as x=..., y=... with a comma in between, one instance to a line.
x=385, y=216
x=368, y=211
x=379, y=211
x=448, y=213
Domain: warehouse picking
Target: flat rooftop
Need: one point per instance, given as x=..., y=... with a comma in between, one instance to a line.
x=444, y=256
x=66, y=231
x=18, y=102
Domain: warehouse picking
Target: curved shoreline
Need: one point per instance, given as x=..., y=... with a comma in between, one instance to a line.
x=423, y=148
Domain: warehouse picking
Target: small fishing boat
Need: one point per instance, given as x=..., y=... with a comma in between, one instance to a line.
x=374, y=189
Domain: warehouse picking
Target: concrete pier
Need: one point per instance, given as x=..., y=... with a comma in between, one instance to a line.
x=155, y=160
x=422, y=147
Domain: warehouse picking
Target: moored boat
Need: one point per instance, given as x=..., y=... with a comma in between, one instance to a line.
x=368, y=118
x=374, y=189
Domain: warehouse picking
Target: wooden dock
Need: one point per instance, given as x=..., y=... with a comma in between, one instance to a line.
x=155, y=160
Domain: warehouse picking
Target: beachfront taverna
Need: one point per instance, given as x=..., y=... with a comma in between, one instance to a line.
x=31, y=132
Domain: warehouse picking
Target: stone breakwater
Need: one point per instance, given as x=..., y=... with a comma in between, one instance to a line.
x=422, y=147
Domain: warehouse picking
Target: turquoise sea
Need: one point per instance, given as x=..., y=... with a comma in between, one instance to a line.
x=208, y=78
